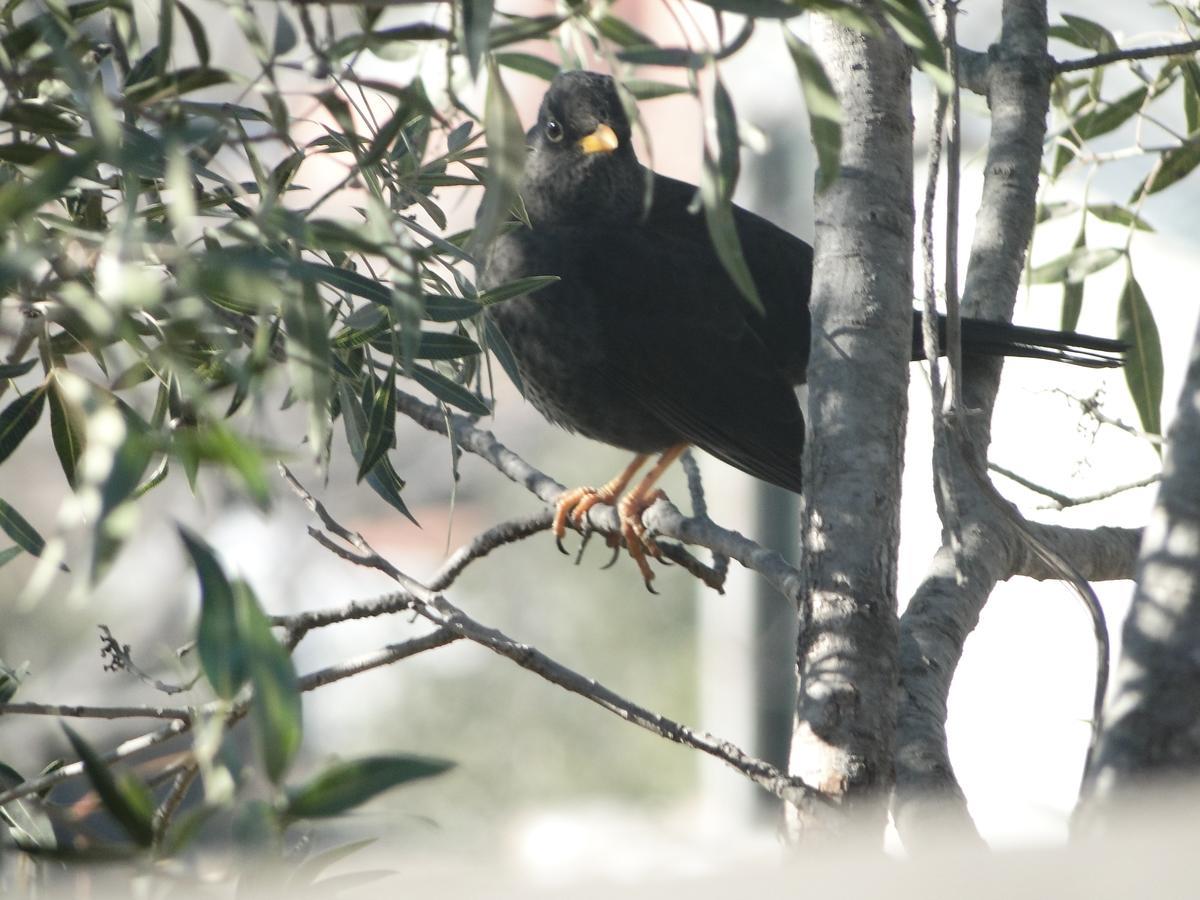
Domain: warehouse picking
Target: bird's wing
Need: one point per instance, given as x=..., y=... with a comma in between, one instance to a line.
x=681, y=342
x=780, y=264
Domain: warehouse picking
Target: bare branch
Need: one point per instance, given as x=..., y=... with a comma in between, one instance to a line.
x=170, y=805
x=1090, y=406
x=385, y=656
x=1183, y=48
x=120, y=660
x=481, y=545
x=1062, y=501
x=95, y=712
x=1097, y=554
x=947, y=605
x=73, y=770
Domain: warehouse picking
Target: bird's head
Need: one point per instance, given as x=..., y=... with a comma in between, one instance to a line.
x=581, y=165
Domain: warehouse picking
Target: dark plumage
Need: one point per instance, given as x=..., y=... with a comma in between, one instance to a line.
x=645, y=343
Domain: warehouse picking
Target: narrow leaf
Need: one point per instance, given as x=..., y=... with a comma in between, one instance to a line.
x=1072, y=301
x=275, y=707
x=907, y=18
x=1076, y=265
x=223, y=655
x=68, y=428
x=124, y=801
x=518, y=288
x=537, y=66
x=381, y=424
x=16, y=370
x=824, y=109
x=1090, y=34
x=1191, y=94
x=348, y=784
x=674, y=57
x=445, y=345
x=1176, y=164
x=382, y=478
x=285, y=34
x=23, y=534
x=1143, y=361
x=506, y=158
x=28, y=823
x=448, y=308
x=196, y=29
x=19, y=197
x=476, y=23
x=641, y=89
x=449, y=391
x=762, y=9
x=1111, y=116
x=18, y=419
x=622, y=33
x=308, y=357
x=1119, y=215
x=718, y=179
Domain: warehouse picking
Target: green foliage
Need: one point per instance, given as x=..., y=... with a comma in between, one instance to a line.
x=345, y=785
x=1086, y=117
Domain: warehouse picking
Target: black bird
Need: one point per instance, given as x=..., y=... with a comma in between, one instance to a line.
x=645, y=343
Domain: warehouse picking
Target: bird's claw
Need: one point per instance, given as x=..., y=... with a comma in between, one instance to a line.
x=639, y=541
x=572, y=507
x=614, y=544
x=587, y=536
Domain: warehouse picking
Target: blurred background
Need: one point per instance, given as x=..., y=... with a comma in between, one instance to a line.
x=553, y=791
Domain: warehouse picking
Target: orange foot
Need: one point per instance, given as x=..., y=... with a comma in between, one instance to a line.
x=573, y=506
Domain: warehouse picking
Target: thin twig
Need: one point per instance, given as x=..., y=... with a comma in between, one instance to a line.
x=1063, y=501
x=170, y=805
x=73, y=770
x=95, y=712
x=1091, y=407
x=1103, y=59
x=946, y=501
x=691, y=468
x=384, y=656
x=481, y=545
x=120, y=660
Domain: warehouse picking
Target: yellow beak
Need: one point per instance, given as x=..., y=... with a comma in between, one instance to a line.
x=602, y=140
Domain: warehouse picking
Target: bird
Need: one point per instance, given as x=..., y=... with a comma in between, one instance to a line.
x=644, y=342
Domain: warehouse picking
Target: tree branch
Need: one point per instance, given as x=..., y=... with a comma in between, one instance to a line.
x=1063, y=501
x=453, y=623
x=843, y=738
x=95, y=712
x=946, y=606
x=1151, y=733
x=1183, y=48
x=662, y=519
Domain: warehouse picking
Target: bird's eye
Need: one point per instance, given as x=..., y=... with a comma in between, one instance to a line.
x=554, y=130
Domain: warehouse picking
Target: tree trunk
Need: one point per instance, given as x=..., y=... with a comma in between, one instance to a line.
x=858, y=380
x=1151, y=730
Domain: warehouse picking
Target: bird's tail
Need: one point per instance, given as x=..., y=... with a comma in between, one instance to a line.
x=990, y=338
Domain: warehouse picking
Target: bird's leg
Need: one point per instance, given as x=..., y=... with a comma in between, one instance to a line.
x=574, y=504
x=636, y=502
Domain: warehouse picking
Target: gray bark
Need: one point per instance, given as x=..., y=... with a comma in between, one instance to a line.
x=1151, y=731
x=858, y=377
x=947, y=605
